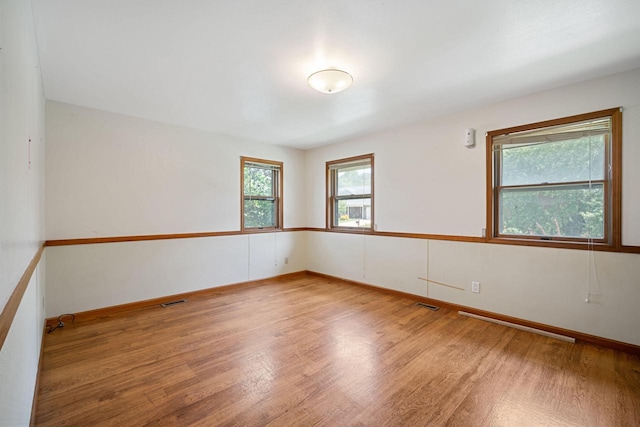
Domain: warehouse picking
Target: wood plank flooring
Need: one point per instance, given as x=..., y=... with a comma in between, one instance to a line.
x=313, y=351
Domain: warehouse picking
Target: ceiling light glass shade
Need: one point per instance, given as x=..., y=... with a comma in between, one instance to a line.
x=330, y=81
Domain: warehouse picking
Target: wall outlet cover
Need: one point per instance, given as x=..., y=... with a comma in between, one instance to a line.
x=475, y=287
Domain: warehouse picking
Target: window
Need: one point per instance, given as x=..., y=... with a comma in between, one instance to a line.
x=261, y=194
x=350, y=193
x=556, y=181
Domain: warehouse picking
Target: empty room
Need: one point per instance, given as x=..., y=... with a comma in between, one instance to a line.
x=332, y=213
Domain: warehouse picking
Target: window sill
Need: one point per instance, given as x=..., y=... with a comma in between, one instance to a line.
x=562, y=244
x=261, y=230
x=350, y=230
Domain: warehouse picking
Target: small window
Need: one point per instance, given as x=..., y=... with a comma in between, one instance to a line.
x=557, y=180
x=350, y=193
x=261, y=194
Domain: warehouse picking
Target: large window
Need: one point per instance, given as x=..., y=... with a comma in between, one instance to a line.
x=556, y=180
x=350, y=193
x=261, y=194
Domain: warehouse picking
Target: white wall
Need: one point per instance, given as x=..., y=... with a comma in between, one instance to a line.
x=113, y=175
x=544, y=285
x=87, y=277
x=20, y=356
x=110, y=175
x=426, y=181
x=439, y=185
x=21, y=206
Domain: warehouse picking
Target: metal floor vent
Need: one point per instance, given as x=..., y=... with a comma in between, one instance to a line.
x=169, y=304
x=429, y=306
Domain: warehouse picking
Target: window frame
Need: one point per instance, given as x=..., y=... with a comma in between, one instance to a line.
x=332, y=197
x=611, y=185
x=276, y=196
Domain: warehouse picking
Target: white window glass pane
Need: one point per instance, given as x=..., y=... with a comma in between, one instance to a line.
x=259, y=213
x=354, y=181
x=574, y=160
x=354, y=213
x=572, y=211
x=258, y=181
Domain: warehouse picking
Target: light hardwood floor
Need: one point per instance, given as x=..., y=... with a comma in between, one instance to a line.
x=314, y=351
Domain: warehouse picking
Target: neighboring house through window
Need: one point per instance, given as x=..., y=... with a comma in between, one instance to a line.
x=261, y=207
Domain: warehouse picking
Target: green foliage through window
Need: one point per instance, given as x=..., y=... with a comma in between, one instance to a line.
x=571, y=212
x=553, y=182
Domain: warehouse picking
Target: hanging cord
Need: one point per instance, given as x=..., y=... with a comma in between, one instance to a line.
x=428, y=257
x=589, y=264
x=364, y=255
x=364, y=235
x=590, y=238
x=275, y=249
x=60, y=322
x=592, y=271
x=249, y=257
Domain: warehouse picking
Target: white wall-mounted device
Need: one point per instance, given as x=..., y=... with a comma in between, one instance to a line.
x=470, y=139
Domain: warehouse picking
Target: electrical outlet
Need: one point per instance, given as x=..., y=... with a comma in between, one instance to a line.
x=286, y=260
x=475, y=287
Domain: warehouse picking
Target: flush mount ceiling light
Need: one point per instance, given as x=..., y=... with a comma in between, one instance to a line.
x=330, y=81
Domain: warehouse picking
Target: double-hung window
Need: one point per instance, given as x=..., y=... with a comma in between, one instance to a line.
x=556, y=180
x=261, y=194
x=350, y=193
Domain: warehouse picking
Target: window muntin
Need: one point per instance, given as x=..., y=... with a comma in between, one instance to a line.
x=350, y=193
x=556, y=180
x=261, y=194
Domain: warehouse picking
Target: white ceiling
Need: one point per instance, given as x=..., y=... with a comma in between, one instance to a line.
x=239, y=67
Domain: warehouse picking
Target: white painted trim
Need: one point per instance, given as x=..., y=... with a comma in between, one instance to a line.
x=521, y=327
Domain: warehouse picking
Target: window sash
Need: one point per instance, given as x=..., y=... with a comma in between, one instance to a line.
x=334, y=199
x=499, y=190
x=362, y=209
x=600, y=185
x=274, y=180
x=273, y=213
x=272, y=195
x=594, y=166
x=600, y=123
